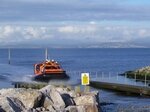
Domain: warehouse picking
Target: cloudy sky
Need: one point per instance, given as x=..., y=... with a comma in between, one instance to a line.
x=73, y=23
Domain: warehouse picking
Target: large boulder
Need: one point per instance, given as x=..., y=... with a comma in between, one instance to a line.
x=4, y=105
x=47, y=104
x=50, y=108
x=29, y=97
x=67, y=99
x=47, y=99
x=66, y=91
x=85, y=100
x=10, y=104
x=16, y=104
x=46, y=90
x=53, y=97
x=57, y=99
x=90, y=108
x=71, y=109
x=60, y=99
x=67, y=95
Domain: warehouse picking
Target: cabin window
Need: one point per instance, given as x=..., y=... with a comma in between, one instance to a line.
x=51, y=67
x=38, y=67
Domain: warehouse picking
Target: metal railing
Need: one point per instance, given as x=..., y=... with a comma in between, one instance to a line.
x=114, y=77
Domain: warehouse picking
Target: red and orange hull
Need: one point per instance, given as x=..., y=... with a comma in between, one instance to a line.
x=49, y=69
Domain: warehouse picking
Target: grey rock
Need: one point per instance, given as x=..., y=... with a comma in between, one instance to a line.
x=43, y=109
x=47, y=99
x=31, y=110
x=73, y=94
x=71, y=109
x=85, y=100
x=51, y=108
x=82, y=108
x=94, y=94
x=29, y=97
x=66, y=91
x=4, y=105
x=10, y=104
x=58, y=102
x=46, y=90
x=16, y=104
x=90, y=108
x=143, y=70
x=67, y=99
x=61, y=89
x=47, y=102
x=39, y=109
x=1, y=110
x=53, y=97
x=34, y=110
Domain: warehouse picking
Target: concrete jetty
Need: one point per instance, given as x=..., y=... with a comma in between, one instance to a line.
x=140, y=90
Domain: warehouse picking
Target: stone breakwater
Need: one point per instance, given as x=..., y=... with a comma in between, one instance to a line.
x=139, y=74
x=48, y=99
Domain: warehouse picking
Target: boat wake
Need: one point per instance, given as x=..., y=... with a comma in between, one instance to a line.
x=71, y=81
x=30, y=78
x=25, y=78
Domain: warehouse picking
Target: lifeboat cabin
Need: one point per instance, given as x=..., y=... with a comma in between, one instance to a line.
x=49, y=68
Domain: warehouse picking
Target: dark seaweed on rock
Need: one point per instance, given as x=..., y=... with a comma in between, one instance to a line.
x=139, y=74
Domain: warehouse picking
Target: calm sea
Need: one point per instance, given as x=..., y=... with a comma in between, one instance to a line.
x=82, y=60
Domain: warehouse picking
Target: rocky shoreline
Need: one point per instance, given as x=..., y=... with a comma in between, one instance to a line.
x=139, y=74
x=48, y=99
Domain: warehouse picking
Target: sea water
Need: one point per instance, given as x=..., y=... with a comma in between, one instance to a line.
x=76, y=61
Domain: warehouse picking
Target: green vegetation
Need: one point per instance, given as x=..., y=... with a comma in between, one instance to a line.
x=29, y=85
x=139, y=75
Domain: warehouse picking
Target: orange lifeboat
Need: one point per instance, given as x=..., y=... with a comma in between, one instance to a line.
x=49, y=68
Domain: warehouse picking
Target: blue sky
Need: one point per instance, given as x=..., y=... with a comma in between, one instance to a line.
x=73, y=22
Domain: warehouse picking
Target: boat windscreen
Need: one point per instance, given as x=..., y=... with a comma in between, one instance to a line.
x=50, y=67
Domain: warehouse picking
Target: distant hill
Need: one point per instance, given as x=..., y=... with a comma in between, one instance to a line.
x=77, y=45
x=116, y=45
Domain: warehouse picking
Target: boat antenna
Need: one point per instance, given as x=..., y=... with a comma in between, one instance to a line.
x=46, y=54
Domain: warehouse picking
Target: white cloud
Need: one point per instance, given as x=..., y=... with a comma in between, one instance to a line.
x=77, y=29
x=67, y=29
x=144, y=33
x=108, y=28
x=79, y=32
x=32, y=32
x=20, y=33
x=8, y=30
x=92, y=22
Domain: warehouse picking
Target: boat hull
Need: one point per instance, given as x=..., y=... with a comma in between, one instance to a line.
x=49, y=69
x=47, y=77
